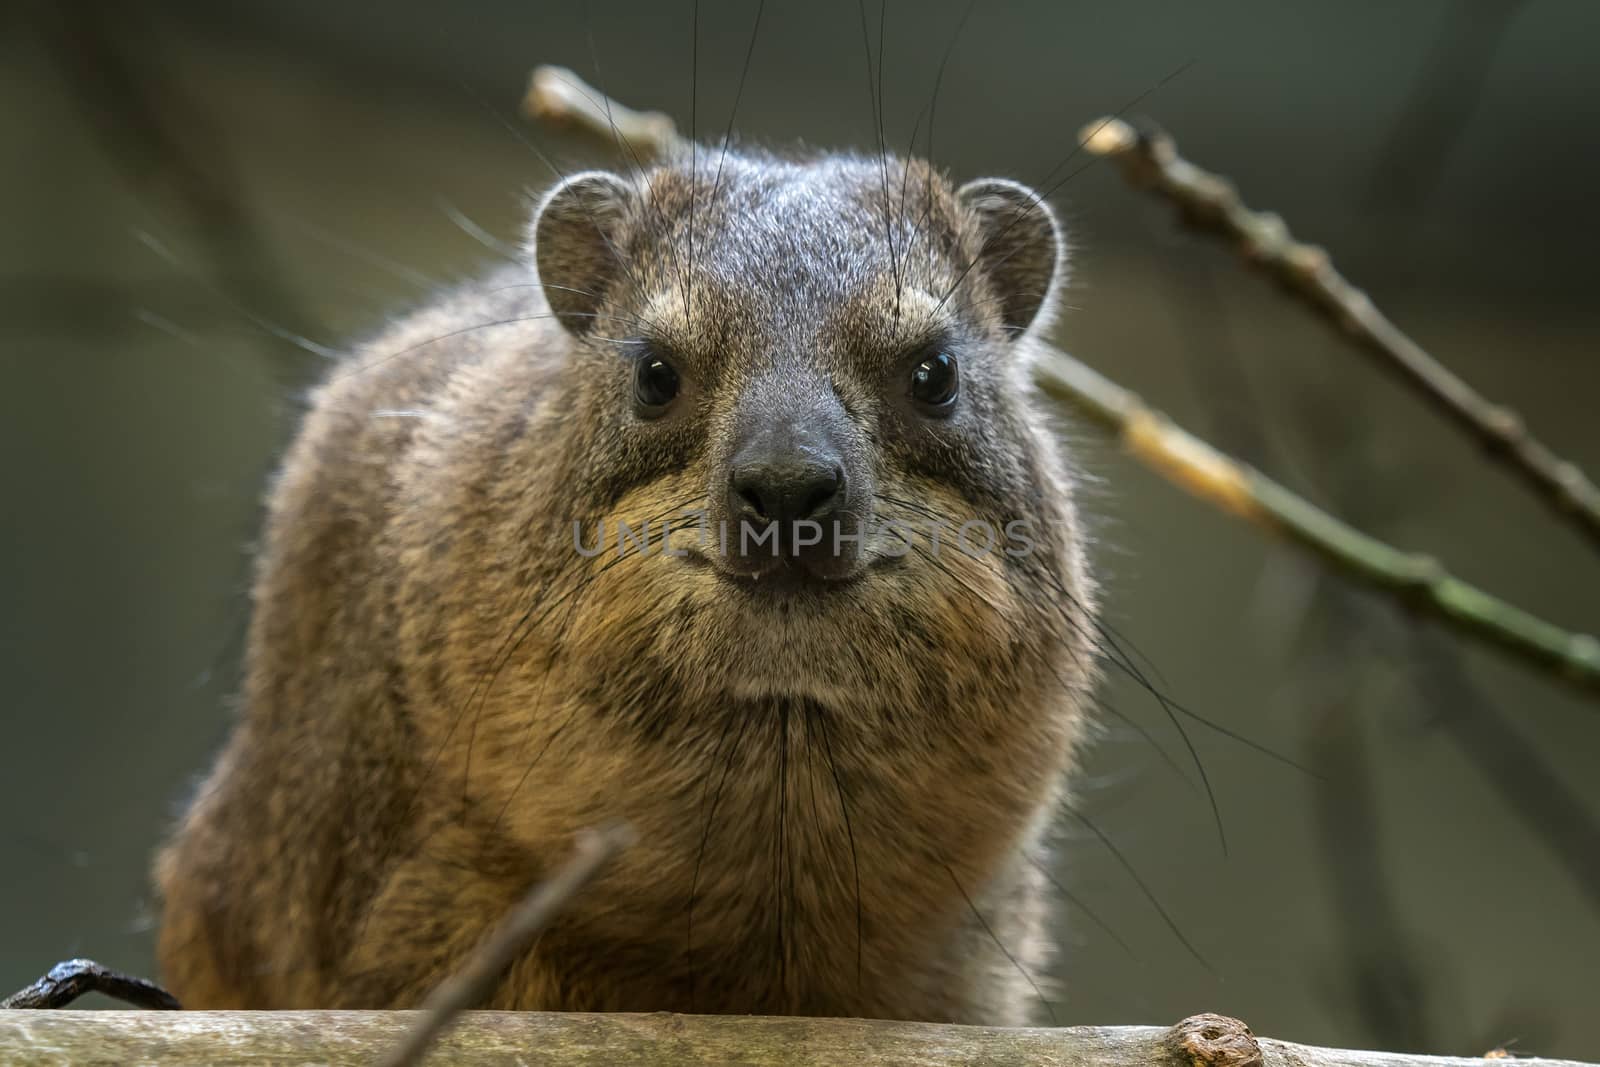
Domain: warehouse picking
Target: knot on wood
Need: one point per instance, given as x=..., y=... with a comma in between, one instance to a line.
x=1214, y=1041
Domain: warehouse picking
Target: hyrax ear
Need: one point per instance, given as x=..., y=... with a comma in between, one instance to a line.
x=577, y=244
x=1020, y=250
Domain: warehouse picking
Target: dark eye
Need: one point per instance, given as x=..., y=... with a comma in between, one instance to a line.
x=935, y=381
x=655, y=383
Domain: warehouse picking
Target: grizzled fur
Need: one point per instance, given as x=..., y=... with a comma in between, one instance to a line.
x=837, y=787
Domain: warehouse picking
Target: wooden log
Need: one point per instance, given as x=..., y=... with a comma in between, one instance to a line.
x=514, y=1039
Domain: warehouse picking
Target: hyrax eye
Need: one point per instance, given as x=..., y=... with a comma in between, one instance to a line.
x=655, y=382
x=936, y=381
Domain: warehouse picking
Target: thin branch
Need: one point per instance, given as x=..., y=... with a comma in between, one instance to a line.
x=476, y=982
x=1246, y=493
x=558, y=97
x=1211, y=203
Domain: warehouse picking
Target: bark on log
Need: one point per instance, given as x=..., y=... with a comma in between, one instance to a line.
x=87, y=1038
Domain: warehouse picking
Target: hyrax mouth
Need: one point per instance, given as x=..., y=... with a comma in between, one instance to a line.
x=823, y=550
x=787, y=580
x=794, y=557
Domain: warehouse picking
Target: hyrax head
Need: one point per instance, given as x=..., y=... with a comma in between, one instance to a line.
x=826, y=361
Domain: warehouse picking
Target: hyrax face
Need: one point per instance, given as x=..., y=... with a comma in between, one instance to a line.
x=808, y=385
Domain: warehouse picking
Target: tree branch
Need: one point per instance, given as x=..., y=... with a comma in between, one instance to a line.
x=1210, y=202
x=351, y=1038
x=558, y=97
x=1245, y=493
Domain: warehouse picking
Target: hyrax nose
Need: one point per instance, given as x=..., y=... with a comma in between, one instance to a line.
x=786, y=486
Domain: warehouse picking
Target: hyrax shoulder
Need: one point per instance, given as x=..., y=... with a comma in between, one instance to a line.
x=835, y=685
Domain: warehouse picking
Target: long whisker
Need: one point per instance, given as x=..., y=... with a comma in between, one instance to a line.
x=638, y=320
x=520, y=631
x=1149, y=739
x=329, y=239
x=1143, y=888
x=821, y=719
x=518, y=634
x=738, y=95
x=1126, y=664
x=875, y=96
x=622, y=557
x=781, y=842
x=1101, y=642
x=623, y=144
x=462, y=331
x=933, y=114
x=1039, y=198
x=305, y=344
x=694, y=148
x=705, y=837
x=1078, y=903
x=477, y=233
x=1049, y=1007
x=905, y=187
x=807, y=748
x=1108, y=647
x=622, y=261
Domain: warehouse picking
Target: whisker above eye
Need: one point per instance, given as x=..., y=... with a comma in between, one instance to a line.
x=462, y=331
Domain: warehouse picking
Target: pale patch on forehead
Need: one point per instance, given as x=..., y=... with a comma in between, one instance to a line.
x=681, y=313
x=887, y=317
x=880, y=318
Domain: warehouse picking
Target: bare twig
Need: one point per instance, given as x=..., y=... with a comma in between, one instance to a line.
x=558, y=97
x=1210, y=202
x=476, y=981
x=68, y=981
x=1245, y=493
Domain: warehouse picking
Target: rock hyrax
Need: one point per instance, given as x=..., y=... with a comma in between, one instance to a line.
x=839, y=752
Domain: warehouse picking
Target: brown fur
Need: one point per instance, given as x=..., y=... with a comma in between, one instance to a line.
x=836, y=793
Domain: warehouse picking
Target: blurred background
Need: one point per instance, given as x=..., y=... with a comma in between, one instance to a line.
x=193, y=189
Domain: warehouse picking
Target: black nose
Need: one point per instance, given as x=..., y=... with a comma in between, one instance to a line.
x=795, y=484
x=786, y=487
